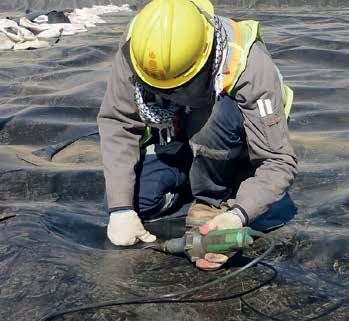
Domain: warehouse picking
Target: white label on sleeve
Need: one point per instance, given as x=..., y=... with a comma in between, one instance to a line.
x=268, y=106
x=261, y=107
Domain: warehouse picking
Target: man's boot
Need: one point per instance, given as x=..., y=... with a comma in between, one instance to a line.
x=200, y=213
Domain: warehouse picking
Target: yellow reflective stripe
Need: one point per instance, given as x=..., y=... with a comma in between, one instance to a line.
x=234, y=65
x=245, y=34
x=146, y=136
x=236, y=46
x=289, y=100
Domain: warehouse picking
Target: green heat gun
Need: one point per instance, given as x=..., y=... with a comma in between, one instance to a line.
x=196, y=245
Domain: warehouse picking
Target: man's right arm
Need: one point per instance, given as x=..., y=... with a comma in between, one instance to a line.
x=120, y=130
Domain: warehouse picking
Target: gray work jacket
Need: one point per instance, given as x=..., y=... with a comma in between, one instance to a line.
x=258, y=93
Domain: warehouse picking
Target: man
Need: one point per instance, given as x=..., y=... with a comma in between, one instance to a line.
x=181, y=75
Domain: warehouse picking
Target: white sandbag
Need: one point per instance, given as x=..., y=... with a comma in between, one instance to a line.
x=5, y=42
x=68, y=29
x=41, y=19
x=50, y=33
x=36, y=44
x=14, y=32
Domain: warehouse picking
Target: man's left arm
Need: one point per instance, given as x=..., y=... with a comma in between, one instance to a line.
x=260, y=97
x=259, y=94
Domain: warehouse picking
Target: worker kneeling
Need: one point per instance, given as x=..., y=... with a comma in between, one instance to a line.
x=194, y=100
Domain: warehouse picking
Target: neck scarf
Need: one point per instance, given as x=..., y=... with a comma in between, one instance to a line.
x=161, y=115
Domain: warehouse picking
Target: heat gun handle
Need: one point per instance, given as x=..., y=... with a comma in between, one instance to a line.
x=225, y=241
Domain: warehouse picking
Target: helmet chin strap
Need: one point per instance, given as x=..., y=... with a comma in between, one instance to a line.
x=208, y=17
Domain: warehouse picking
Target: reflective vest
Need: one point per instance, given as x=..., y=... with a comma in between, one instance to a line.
x=241, y=36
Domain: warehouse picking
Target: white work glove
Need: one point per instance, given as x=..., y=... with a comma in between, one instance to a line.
x=126, y=228
x=224, y=221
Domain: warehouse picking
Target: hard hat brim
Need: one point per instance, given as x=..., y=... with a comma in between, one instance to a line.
x=204, y=5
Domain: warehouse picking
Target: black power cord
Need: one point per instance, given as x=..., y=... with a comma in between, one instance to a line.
x=173, y=297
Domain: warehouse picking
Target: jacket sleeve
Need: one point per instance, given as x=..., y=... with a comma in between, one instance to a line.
x=259, y=94
x=120, y=130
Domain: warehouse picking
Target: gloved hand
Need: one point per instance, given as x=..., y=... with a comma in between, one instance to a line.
x=226, y=220
x=126, y=228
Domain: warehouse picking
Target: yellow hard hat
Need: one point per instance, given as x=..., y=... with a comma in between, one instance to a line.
x=171, y=41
